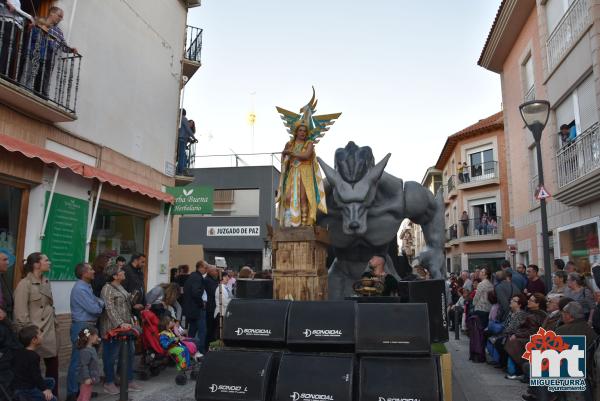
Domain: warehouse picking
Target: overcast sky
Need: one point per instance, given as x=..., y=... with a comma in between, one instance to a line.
x=403, y=73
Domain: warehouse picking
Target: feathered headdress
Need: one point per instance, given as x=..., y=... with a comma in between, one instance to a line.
x=317, y=125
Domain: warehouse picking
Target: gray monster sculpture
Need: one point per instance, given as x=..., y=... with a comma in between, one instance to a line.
x=366, y=206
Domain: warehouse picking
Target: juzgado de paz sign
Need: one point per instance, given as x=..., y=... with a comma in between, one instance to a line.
x=192, y=199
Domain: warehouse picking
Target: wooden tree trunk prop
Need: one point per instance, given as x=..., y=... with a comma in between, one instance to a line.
x=300, y=272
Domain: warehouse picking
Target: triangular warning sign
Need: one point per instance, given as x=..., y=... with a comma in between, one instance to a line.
x=542, y=193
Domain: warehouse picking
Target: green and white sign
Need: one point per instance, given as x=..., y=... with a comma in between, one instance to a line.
x=192, y=199
x=64, y=240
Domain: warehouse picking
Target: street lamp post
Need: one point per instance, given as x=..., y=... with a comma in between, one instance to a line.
x=535, y=114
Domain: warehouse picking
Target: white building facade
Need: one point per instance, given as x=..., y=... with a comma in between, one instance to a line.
x=88, y=139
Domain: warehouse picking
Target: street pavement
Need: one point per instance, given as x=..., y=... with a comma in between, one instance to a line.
x=470, y=381
x=479, y=381
x=157, y=388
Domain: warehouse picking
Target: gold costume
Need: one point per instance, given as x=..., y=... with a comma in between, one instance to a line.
x=302, y=174
x=295, y=174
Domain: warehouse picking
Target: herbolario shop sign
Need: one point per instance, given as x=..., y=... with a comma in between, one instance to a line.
x=192, y=199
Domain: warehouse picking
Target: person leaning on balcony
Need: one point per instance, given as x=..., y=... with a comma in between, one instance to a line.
x=186, y=135
x=483, y=224
x=460, y=170
x=565, y=135
x=38, y=70
x=465, y=172
x=464, y=221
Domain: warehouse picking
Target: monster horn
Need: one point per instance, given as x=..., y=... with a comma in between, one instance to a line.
x=333, y=177
x=375, y=173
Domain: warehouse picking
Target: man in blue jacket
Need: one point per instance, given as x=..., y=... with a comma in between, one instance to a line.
x=85, y=311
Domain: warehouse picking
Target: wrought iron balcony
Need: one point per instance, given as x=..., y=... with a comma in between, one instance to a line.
x=451, y=233
x=450, y=188
x=568, y=31
x=480, y=229
x=193, y=50
x=39, y=73
x=479, y=174
x=578, y=165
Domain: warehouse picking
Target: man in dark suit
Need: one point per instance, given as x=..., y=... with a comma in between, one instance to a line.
x=194, y=308
x=211, y=281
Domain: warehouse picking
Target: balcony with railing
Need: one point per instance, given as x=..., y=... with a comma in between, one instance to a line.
x=534, y=182
x=39, y=73
x=451, y=235
x=479, y=174
x=578, y=165
x=450, y=188
x=481, y=229
x=193, y=50
x=568, y=31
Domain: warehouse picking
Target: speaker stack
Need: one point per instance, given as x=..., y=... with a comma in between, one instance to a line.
x=322, y=351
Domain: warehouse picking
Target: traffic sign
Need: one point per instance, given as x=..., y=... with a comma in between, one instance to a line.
x=542, y=193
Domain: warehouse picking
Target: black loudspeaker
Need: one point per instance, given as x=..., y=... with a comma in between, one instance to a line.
x=321, y=326
x=392, y=329
x=433, y=293
x=235, y=375
x=376, y=299
x=399, y=378
x=314, y=377
x=254, y=288
x=255, y=322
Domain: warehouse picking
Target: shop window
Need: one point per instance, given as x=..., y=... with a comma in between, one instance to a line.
x=117, y=233
x=10, y=206
x=580, y=245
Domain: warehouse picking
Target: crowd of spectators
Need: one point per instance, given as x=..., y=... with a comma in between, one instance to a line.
x=500, y=313
x=108, y=298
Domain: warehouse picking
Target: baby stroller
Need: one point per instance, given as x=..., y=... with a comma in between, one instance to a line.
x=154, y=357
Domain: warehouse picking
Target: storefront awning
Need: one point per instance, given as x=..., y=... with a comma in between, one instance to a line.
x=49, y=157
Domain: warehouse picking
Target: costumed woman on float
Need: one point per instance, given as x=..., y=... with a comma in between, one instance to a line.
x=301, y=191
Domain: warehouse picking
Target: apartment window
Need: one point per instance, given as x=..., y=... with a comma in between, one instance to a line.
x=480, y=206
x=528, y=79
x=236, y=202
x=482, y=163
x=579, y=109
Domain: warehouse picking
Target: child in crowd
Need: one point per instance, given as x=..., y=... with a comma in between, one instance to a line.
x=89, y=372
x=172, y=343
x=190, y=343
x=28, y=380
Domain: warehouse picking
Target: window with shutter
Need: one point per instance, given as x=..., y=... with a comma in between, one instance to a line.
x=528, y=79
x=588, y=109
x=565, y=112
